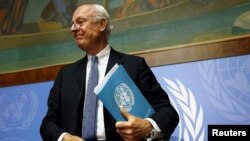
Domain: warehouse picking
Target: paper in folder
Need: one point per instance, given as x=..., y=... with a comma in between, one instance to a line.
x=118, y=89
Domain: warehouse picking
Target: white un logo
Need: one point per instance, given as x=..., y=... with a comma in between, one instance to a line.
x=124, y=97
x=227, y=83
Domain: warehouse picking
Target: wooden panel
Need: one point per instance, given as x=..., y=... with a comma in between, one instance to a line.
x=198, y=51
x=158, y=57
x=29, y=76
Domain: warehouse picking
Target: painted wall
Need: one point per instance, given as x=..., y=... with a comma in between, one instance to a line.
x=44, y=38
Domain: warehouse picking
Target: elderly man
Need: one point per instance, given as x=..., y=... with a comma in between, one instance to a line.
x=67, y=116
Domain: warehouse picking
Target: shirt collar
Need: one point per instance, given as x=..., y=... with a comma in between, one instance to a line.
x=102, y=54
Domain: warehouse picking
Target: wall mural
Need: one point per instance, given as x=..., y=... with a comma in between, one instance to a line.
x=36, y=33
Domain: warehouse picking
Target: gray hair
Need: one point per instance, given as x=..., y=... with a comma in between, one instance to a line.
x=101, y=13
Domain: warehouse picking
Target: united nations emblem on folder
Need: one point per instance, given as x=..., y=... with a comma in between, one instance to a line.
x=124, y=97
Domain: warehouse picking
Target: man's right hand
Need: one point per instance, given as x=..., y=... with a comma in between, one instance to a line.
x=69, y=137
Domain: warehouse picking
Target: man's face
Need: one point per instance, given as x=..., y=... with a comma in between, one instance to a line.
x=85, y=29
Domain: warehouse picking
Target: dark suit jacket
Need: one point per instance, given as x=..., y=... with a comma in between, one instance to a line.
x=65, y=102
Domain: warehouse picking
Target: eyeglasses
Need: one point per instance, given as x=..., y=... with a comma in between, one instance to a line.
x=77, y=24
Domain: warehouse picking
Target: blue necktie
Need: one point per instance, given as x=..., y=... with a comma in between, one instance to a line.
x=89, y=111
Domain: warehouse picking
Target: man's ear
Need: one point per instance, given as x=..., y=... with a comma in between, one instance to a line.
x=103, y=24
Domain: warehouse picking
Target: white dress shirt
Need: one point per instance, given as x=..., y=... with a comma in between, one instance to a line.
x=103, y=58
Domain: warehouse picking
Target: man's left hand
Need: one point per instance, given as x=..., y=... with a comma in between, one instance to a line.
x=134, y=128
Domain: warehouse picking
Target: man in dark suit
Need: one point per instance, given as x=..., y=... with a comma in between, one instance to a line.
x=63, y=121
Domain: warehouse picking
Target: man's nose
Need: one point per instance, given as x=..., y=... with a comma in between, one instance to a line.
x=74, y=27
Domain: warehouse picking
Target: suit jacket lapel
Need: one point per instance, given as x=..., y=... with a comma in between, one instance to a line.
x=114, y=57
x=109, y=121
x=81, y=76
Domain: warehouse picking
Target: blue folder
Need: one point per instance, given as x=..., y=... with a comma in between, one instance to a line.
x=118, y=89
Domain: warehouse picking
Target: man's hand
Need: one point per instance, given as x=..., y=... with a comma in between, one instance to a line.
x=134, y=128
x=69, y=137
